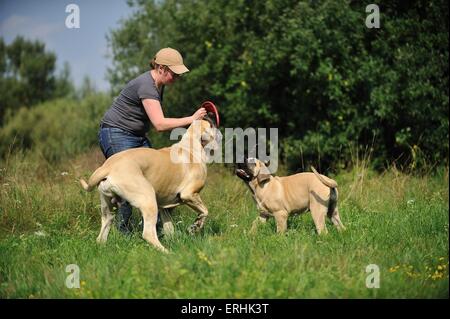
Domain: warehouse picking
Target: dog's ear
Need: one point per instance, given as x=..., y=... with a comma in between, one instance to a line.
x=262, y=178
x=210, y=118
x=263, y=174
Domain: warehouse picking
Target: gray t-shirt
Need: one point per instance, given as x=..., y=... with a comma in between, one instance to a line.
x=127, y=111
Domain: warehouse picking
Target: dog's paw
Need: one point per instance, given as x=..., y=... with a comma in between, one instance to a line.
x=193, y=229
x=165, y=251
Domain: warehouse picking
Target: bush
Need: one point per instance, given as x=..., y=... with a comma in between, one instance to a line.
x=55, y=129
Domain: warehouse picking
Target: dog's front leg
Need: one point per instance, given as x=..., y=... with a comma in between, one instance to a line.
x=261, y=219
x=281, y=219
x=195, y=202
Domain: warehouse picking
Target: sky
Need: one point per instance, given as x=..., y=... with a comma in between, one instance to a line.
x=85, y=48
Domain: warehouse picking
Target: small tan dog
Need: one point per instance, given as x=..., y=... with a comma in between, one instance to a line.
x=280, y=196
x=148, y=178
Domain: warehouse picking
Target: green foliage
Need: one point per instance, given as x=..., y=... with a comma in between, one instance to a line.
x=27, y=76
x=312, y=69
x=55, y=129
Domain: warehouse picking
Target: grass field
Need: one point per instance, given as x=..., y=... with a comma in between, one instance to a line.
x=398, y=222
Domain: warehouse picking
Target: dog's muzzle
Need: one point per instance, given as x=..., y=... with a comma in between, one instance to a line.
x=242, y=173
x=215, y=142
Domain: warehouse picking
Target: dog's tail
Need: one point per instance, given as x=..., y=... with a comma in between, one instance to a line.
x=332, y=202
x=99, y=175
x=331, y=183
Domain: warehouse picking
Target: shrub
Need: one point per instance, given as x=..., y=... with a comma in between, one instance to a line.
x=55, y=129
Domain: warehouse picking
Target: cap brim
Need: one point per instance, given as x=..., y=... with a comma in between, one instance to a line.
x=179, y=69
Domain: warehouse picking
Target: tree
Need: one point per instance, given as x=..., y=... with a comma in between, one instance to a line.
x=311, y=68
x=27, y=75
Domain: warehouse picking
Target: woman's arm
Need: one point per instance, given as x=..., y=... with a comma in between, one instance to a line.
x=161, y=123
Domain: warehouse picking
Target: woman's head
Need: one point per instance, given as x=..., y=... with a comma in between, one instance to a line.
x=168, y=63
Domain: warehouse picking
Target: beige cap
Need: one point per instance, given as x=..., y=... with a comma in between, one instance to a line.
x=172, y=58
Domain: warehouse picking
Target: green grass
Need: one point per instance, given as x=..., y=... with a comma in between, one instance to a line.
x=396, y=221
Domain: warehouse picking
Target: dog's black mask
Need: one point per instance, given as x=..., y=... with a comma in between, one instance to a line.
x=243, y=172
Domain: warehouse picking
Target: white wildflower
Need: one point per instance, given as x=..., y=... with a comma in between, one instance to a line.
x=40, y=233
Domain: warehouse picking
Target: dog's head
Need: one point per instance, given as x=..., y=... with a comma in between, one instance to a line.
x=210, y=136
x=252, y=169
x=206, y=132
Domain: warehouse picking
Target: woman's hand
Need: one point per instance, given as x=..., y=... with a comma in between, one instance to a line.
x=199, y=114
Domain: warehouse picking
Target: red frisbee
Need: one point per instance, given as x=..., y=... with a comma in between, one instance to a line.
x=210, y=107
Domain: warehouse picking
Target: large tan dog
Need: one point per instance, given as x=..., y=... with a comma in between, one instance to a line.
x=280, y=196
x=148, y=178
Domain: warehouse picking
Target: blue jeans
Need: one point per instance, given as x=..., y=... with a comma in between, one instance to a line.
x=113, y=140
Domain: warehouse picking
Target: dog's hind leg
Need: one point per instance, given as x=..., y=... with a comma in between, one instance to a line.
x=149, y=211
x=318, y=213
x=140, y=194
x=336, y=220
x=168, y=228
x=107, y=217
x=195, y=202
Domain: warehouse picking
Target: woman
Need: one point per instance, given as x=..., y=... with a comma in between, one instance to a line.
x=126, y=122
